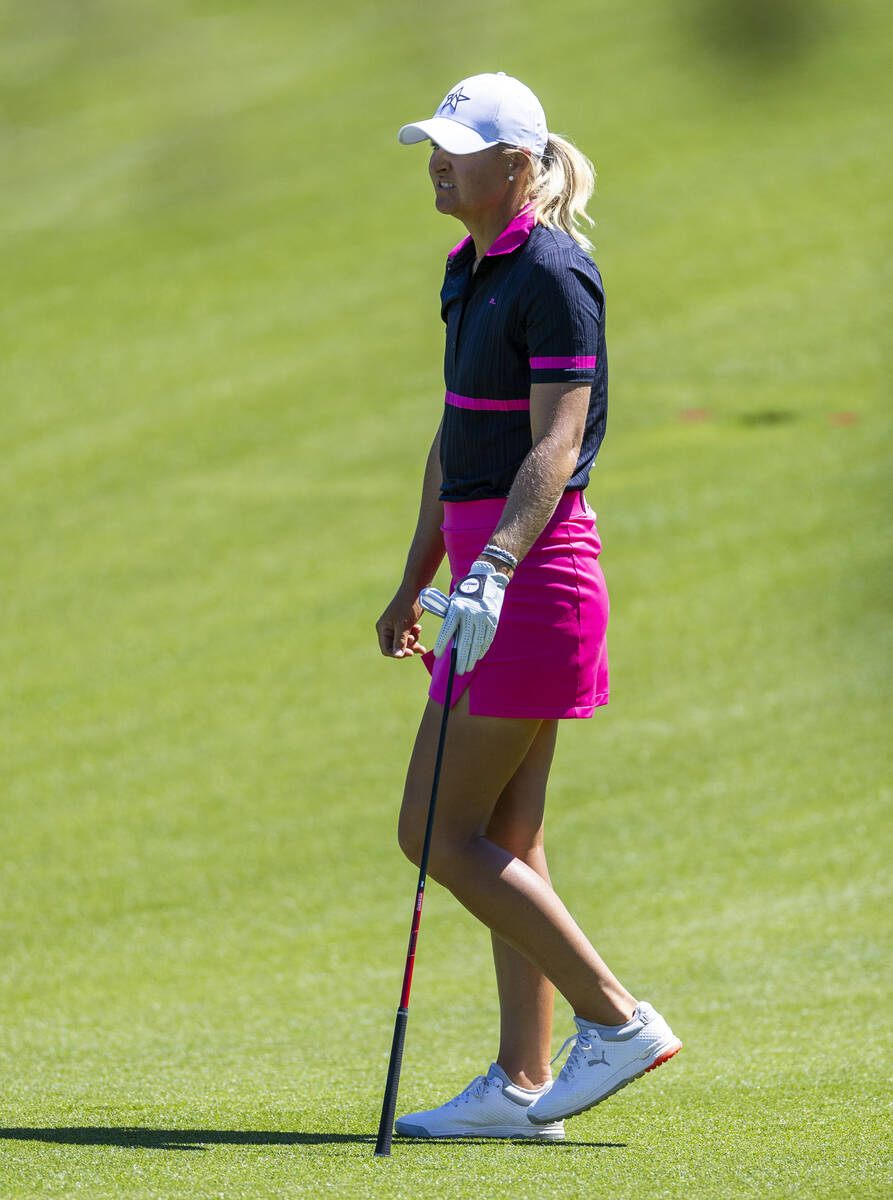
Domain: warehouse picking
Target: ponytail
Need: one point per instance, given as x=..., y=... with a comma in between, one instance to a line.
x=562, y=183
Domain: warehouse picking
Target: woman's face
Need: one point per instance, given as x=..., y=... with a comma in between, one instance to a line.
x=469, y=185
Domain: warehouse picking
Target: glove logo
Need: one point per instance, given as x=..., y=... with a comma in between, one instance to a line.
x=472, y=614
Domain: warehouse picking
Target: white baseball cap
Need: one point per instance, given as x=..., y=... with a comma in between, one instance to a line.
x=483, y=111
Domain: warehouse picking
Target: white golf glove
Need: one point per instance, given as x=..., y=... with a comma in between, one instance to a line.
x=472, y=615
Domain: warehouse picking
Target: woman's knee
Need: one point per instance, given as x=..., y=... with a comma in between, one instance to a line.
x=451, y=860
x=445, y=854
x=521, y=839
x=411, y=833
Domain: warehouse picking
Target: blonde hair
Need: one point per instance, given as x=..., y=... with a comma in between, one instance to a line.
x=562, y=181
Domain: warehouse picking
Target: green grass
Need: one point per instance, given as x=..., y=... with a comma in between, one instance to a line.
x=219, y=293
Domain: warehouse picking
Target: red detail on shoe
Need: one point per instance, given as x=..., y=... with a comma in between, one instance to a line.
x=664, y=1057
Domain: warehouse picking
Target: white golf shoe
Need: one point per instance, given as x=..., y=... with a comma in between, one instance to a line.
x=605, y=1059
x=491, y=1106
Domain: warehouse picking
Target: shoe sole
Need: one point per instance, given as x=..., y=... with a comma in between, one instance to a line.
x=499, y=1131
x=663, y=1056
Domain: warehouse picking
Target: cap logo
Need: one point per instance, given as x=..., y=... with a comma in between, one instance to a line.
x=453, y=100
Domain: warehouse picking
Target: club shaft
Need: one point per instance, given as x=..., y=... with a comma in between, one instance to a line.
x=389, y=1104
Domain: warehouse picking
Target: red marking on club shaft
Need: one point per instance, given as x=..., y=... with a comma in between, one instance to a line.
x=410, y=954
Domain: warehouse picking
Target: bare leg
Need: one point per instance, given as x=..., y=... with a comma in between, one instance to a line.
x=482, y=755
x=526, y=996
x=526, y=1001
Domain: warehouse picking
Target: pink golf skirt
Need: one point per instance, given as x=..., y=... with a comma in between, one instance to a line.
x=549, y=657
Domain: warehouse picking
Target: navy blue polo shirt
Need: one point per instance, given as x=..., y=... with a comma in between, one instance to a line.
x=533, y=312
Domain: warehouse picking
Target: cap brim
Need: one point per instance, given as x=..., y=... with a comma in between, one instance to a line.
x=454, y=137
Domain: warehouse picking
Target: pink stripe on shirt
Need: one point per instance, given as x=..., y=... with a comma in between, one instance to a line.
x=575, y=360
x=482, y=404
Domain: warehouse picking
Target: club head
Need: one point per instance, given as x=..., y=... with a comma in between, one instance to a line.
x=434, y=601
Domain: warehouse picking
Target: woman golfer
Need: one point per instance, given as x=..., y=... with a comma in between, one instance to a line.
x=503, y=497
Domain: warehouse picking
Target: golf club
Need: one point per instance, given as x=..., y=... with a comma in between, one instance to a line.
x=433, y=603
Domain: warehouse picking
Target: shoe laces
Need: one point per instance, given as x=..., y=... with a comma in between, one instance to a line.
x=475, y=1090
x=576, y=1056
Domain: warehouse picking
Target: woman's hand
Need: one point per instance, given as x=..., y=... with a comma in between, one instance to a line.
x=472, y=615
x=398, y=627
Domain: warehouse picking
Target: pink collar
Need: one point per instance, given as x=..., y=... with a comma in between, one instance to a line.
x=514, y=235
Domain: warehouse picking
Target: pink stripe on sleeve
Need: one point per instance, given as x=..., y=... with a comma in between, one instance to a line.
x=576, y=360
x=482, y=404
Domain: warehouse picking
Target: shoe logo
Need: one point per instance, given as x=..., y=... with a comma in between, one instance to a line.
x=599, y=1062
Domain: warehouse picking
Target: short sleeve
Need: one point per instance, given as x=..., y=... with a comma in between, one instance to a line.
x=564, y=308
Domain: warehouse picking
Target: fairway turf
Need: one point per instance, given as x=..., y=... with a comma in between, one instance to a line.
x=219, y=345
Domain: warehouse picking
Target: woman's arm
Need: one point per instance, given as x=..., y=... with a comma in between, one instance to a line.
x=398, y=626
x=557, y=423
x=426, y=550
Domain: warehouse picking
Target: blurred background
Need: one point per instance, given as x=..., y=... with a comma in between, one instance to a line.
x=220, y=370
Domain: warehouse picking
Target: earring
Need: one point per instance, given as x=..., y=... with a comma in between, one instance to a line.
x=511, y=179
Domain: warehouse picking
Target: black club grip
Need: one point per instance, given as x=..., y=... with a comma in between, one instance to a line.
x=389, y=1104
